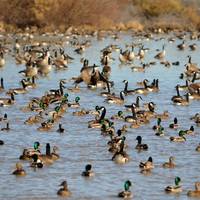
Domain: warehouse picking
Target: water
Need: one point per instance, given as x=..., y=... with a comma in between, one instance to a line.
x=80, y=145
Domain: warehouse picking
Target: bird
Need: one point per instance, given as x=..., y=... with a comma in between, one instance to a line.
x=64, y=191
x=126, y=193
x=174, y=189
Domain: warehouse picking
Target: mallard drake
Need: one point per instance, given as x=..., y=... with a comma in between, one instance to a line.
x=19, y=171
x=64, y=191
x=116, y=100
x=169, y=164
x=174, y=189
x=156, y=127
x=180, y=138
x=198, y=148
x=119, y=115
x=126, y=193
x=36, y=163
x=139, y=145
x=88, y=171
x=163, y=116
x=174, y=125
x=182, y=102
x=81, y=112
x=75, y=104
x=148, y=165
x=196, y=192
x=2, y=85
x=7, y=128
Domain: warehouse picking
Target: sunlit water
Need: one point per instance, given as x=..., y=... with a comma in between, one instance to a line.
x=80, y=145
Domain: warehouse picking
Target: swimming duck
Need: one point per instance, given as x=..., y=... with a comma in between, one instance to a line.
x=169, y=164
x=119, y=115
x=198, y=147
x=180, y=138
x=1, y=85
x=174, y=189
x=34, y=119
x=88, y=172
x=160, y=131
x=193, y=47
x=156, y=127
x=126, y=193
x=46, y=126
x=64, y=191
x=196, y=192
x=175, y=124
x=54, y=153
x=181, y=46
x=19, y=170
x=7, y=128
x=148, y=165
x=139, y=145
x=75, y=104
x=60, y=129
x=81, y=112
x=36, y=163
x=116, y=100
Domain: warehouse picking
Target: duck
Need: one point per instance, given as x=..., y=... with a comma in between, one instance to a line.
x=118, y=116
x=160, y=131
x=198, y=148
x=179, y=138
x=116, y=100
x=181, y=46
x=121, y=157
x=148, y=165
x=19, y=171
x=64, y=191
x=195, y=95
x=88, y=171
x=7, y=128
x=81, y=112
x=36, y=163
x=193, y=47
x=126, y=193
x=75, y=104
x=139, y=69
x=34, y=119
x=189, y=131
x=156, y=127
x=169, y=164
x=54, y=153
x=139, y=145
x=60, y=129
x=174, y=189
x=174, y=125
x=2, y=85
x=196, y=192
x=161, y=54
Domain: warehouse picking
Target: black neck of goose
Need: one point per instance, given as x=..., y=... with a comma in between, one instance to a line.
x=145, y=84
x=61, y=89
x=2, y=85
x=194, y=77
x=126, y=87
x=121, y=96
x=108, y=86
x=177, y=90
x=23, y=84
x=189, y=60
x=157, y=83
x=48, y=149
x=122, y=146
x=103, y=113
x=133, y=112
x=49, y=61
x=187, y=97
x=186, y=83
x=12, y=97
x=137, y=102
x=33, y=80
x=7, y=125
x=139, y=139
x=106, y=60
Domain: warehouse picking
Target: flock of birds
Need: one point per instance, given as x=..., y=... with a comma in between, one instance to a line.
x=40, y=58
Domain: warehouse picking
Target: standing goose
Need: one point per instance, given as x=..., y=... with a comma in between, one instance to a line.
x=116, y=100
x=126, y=91
x=169, y=164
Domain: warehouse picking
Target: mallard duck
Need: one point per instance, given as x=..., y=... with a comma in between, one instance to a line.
x=196, y=192
x=175, y=124
x=116, y=100
x=181, y=46
x=34, y=119
x=64, y=191
x=156, y=127
x=75, y=104
x=139, y=145
x=174, y=189
x=148, y=165
x=179, y=138
x=2, y=85
x=36, y=163
x=46, y=126
x=169, y=164
x=88, y=172
x=126, y=193
x=118, y=116
x=190, y=131
x=19, y=171
x=7, y=128
x=193, y=47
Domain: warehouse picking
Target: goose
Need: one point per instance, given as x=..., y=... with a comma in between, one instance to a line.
x=7, y=128
x=181, y=46
x=137, y=104
x=30, y=83
x=116, y=100
x=34, y=119
x=183, y=87
x=131, y=118
x=196, y=192
x=126, y=193
x=2, y=85
x=154, y=86
x=182, y=102
x=31, y=70
x=198, y=148
x=123, y=56
x=60, y=129
x=161, y=54
x=139, y=69
x=174, y=189
x=126, y=91
x=142, y=90
x=193, y=47
x=88, y=171
x=22, y=90
x=177, y=97
x=169, y=164
x=19, y=171
x=64, y=191
x=7, y=101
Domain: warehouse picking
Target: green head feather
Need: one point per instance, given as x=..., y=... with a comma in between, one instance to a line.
x=36, y=145
x=120, y=113
x=177, y=180
x=159, y=121
x=57, y=108
x=127, y=185
x=77, y=99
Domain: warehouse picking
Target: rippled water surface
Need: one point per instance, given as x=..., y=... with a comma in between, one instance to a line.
x=80, y=145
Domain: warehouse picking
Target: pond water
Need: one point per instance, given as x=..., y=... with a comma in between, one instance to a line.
x=79, y=145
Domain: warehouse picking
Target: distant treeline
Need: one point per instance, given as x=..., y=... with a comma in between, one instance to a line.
x=61, y=14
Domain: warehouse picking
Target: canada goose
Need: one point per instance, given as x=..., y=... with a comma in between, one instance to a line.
x=196, y=192
x=137, y=104
x=174, y=189
x=182, y=102
x=4, y=118
x=133, y=117
x=64, y=191
x=123, y=56
x=46, y=158
x=19, y=171
x=108, y=93
x=139, y=145
x=184, y=87
x=31, y=70
x=1, y=85
x=142, y=90
x=22, y=90
x=116, y=100
x=148, y=165
x=7, y=128
x=139, y=69
x=126, y=193
x=178, y=96
x=60, y=62
x=1, y=142
x=30, y=83
x=76, y=88
x=175, y=124
x=88, y=171
x=46, y=126
x=80, y=50
x=181, y=46
x=195, y=95
x=141, y=52
x=2, y=59
x=179, y=138
x=169, y=164
x=44, y=65
x=154, y=86
x=106, y=68
x=191, y=66
x=161, y=54
x=198, y=148
x=126, y=91
x=7, y=101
